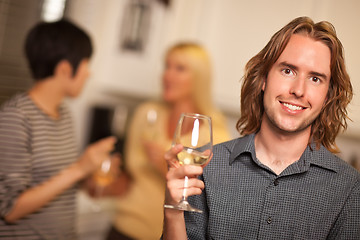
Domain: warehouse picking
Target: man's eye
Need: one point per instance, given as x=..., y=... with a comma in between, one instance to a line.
x=287, y=71
x=315, y=79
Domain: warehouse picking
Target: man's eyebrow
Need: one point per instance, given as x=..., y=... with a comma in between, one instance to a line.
x=285, y=64
x=289, y=65
x=321, y=75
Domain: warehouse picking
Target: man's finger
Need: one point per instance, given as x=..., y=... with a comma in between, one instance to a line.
x=170, y=156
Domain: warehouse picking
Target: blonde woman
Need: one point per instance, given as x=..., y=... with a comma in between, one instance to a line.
x=186, y=88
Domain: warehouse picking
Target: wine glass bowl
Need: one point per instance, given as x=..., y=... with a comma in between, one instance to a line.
x=194, y=133
x=189, y=156
x=104, y=175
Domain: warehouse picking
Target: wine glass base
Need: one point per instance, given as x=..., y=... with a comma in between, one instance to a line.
x=183, y=206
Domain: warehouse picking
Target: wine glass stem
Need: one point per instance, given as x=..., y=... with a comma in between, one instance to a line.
x=185, y=188
x=96, y=207
x=98, y=191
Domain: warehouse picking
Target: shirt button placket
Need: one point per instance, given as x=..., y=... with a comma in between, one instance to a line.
x=268, y=219
x=276, y=182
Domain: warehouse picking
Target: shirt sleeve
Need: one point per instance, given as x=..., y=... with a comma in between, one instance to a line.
x=347, y=225
x=196, y=223
x=15, y=158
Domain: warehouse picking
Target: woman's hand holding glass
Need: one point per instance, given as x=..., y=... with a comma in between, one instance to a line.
x=94, y=155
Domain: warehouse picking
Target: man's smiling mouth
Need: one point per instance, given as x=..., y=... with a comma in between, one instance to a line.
x=292, y=107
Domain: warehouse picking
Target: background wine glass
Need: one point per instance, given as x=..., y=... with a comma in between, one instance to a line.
x=194, y=133
x=151, y=125
x=105, y=175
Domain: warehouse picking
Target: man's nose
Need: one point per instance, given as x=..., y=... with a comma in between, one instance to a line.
x=298, y=87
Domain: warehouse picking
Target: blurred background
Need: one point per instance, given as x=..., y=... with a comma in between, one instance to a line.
x=131, y=36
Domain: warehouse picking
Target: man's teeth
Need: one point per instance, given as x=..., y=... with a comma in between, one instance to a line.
x=292, y=107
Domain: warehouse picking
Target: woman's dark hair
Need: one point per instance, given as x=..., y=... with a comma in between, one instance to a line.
x=48, y=43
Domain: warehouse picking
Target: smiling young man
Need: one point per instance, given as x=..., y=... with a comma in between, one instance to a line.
x=295, y=91
x=280, y=180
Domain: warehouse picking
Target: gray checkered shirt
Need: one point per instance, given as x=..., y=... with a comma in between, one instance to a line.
x=317, y=197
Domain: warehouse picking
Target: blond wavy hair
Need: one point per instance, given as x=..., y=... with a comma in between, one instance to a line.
x=199, y=63
x=333, y=116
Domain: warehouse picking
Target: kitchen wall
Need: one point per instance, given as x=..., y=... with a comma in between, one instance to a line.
x=232, y=30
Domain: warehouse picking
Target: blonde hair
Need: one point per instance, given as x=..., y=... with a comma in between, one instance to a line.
x=199, y=63
x=333, y=116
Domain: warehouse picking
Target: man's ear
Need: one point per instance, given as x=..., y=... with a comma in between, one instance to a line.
x=63, y=69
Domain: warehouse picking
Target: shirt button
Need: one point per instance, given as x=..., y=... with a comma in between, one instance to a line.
x=276, y=182
x=269, y=220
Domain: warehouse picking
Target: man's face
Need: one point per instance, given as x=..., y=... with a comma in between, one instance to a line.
x=297, y=84
x=79, y=79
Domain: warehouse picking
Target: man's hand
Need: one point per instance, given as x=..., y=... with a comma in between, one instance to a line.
x=176, y=175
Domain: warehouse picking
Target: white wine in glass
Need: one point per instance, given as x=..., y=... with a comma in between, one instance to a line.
x=194, y=133
x=189, y=156
x=105, y=175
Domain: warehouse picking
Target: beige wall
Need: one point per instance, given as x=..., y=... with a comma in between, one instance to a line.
x=232, y=30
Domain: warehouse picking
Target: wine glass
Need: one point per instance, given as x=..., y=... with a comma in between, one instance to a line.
x=105, y=175
x=194, y=133
x=151, y=130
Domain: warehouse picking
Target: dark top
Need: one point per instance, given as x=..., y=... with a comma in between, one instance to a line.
x=317, y=197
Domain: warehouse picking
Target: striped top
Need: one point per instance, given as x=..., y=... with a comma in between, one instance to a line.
x=33, y=148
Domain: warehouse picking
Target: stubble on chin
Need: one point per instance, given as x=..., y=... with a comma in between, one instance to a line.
x=275, y=123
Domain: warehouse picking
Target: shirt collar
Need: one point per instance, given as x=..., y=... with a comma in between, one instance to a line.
x=242, y=145
x=311, y=156
x=321, y=157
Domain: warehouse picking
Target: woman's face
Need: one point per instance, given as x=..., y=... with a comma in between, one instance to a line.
x=177, y=78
